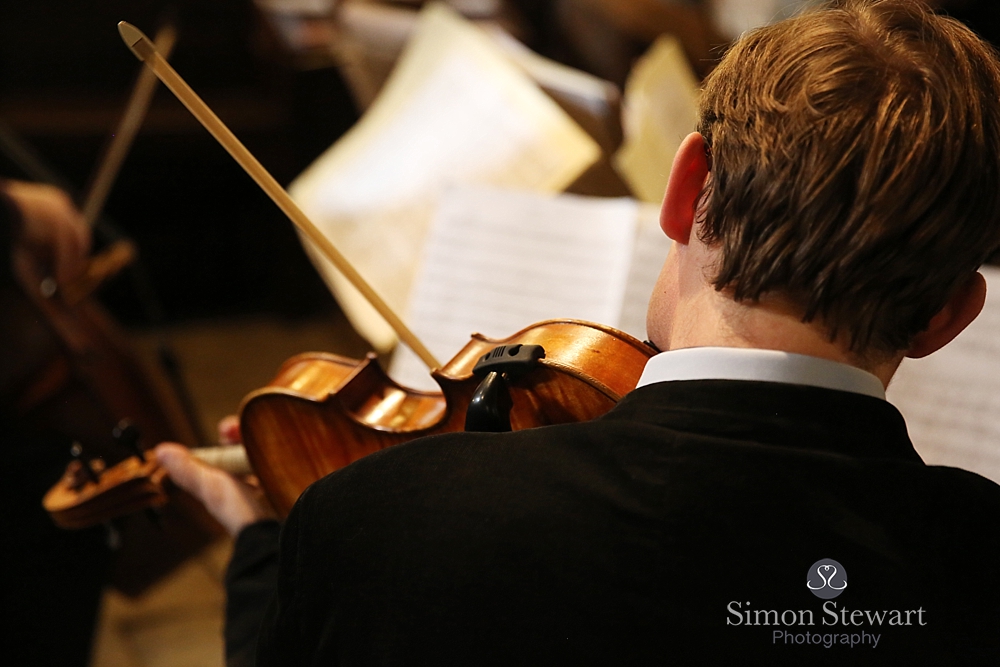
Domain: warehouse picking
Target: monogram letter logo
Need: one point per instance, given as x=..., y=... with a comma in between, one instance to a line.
x=826, y=579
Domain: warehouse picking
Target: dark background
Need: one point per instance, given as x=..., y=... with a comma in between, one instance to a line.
x=211, y=243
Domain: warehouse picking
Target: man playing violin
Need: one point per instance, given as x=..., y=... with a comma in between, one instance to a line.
x=755, y=500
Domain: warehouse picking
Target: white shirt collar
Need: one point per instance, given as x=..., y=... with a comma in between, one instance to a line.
x=731, y=363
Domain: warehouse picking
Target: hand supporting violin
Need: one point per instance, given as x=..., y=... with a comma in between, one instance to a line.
x=233, y=502
x=229, y=430
x=52, y=230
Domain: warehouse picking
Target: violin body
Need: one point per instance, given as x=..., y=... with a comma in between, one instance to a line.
x=323, y=411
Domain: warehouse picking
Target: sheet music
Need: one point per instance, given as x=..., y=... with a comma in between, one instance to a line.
x=586, y=90
x=660, y=108
x=454, y=111
x=499, y=260
x=951, y=399
x=734, y=17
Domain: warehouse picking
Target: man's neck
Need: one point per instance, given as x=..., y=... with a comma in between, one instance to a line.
x=713, y=319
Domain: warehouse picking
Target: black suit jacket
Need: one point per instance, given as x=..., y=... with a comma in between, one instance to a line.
x=681, y=528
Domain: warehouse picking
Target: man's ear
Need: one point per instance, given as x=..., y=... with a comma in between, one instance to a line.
x=687, y=178
x=963, y=307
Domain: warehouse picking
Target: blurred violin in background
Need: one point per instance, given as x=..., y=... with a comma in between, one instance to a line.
x=69, y=373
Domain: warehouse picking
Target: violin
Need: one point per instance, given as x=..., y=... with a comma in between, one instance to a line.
x=323, y=411
x=74, y=378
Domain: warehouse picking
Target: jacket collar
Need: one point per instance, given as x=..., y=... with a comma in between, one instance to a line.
x=772, y=413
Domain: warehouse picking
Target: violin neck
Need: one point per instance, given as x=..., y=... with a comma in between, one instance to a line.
x=231, y=458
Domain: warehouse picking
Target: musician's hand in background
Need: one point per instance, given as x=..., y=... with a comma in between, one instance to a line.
x=233, y=502
x=52, y=229
x=229, y=430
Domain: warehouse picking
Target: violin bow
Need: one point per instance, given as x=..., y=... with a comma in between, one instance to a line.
x=146, y=51
x=125, y=133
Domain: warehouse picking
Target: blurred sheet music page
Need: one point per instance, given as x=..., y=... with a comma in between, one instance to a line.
x=951, y=399
x=499, y=260
x=660, y=109
x=454, y=111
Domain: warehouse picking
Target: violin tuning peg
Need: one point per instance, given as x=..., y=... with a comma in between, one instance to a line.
x=127, y=434
x=76, y=451
x=153, y=516
x=114, y=537
x=48, y=287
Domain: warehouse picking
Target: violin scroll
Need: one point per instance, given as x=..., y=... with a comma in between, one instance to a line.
x=80, y=500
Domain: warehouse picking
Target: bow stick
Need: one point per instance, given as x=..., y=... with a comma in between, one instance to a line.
x=125, y=133
x=145, y=50
x=122, y=252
